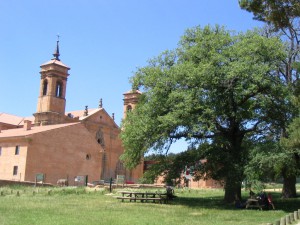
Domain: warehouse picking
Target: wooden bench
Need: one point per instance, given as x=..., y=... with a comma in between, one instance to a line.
x=161, y=200
x=253, y=203
x=143, y=197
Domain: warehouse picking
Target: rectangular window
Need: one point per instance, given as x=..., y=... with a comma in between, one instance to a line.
x=15, y=172
x=17, y=151
x=0, y=151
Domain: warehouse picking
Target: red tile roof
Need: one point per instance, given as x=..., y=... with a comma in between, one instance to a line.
x=80, y=113
x=19, y=132
x=11, y=119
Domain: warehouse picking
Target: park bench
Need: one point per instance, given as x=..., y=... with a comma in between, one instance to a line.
x=143, y=197
x=253, y=203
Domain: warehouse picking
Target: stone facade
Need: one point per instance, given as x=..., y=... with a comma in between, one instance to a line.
x=61, y=145
x=56, y=151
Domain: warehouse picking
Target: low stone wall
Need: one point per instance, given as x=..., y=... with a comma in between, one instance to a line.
x=25, y=183
x=290, y=218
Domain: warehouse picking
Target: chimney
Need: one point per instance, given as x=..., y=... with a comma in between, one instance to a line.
x=27, y=125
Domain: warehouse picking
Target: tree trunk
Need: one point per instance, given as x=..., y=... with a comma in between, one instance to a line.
x=232, y=191
x=289, y=187
x=234, y=164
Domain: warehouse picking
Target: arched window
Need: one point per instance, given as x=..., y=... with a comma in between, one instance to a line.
x=100, y=138
x=45, y=87
x=59, y=89
x=129, y=108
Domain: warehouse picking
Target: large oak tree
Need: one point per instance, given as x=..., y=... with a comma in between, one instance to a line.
x=217, y=87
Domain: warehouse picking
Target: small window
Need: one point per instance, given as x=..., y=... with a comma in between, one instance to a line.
x=17, y=151
x=88, y=156
x=59, y=89
x=45, y=87
x=15, y=172
x=0, y=151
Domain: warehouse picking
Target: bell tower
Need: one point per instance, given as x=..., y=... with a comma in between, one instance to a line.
x=52, y=97
x=131, y=98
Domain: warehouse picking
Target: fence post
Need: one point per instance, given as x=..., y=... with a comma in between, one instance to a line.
x=296, y=217
x=110, y=184
x=292, y=217
x=282, y=221
x=287, y=219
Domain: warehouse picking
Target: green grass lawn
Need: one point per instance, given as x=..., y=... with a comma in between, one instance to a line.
x=77, y=206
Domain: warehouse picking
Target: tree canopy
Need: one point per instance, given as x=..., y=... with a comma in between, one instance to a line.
x=282, y=19
x=278, y=12
x=217, y=87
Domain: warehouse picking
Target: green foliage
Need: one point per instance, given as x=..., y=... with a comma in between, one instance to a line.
x=268, y=159
x=293, y=140
x=265, y=162
x=291, y=144
x=283, y=17
x=175, y=165
x=195, y=91
x=217, y=87
x=278, y=12
x=155, y=170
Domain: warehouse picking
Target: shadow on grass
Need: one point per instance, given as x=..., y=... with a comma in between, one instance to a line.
x=216, y=202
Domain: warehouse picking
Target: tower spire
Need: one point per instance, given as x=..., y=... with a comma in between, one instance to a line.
x=52, y=97
x=56, y=52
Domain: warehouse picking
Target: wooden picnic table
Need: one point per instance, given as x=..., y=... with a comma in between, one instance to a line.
x=143, y=196
x=253, y=203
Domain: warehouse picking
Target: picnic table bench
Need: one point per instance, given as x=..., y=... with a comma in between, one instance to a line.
x=253, y=203
x=143, y=196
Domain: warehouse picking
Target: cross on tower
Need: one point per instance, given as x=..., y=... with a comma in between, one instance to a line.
x=56, y=52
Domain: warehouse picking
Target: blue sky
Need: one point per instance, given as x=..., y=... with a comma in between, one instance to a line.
x=103, y=41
